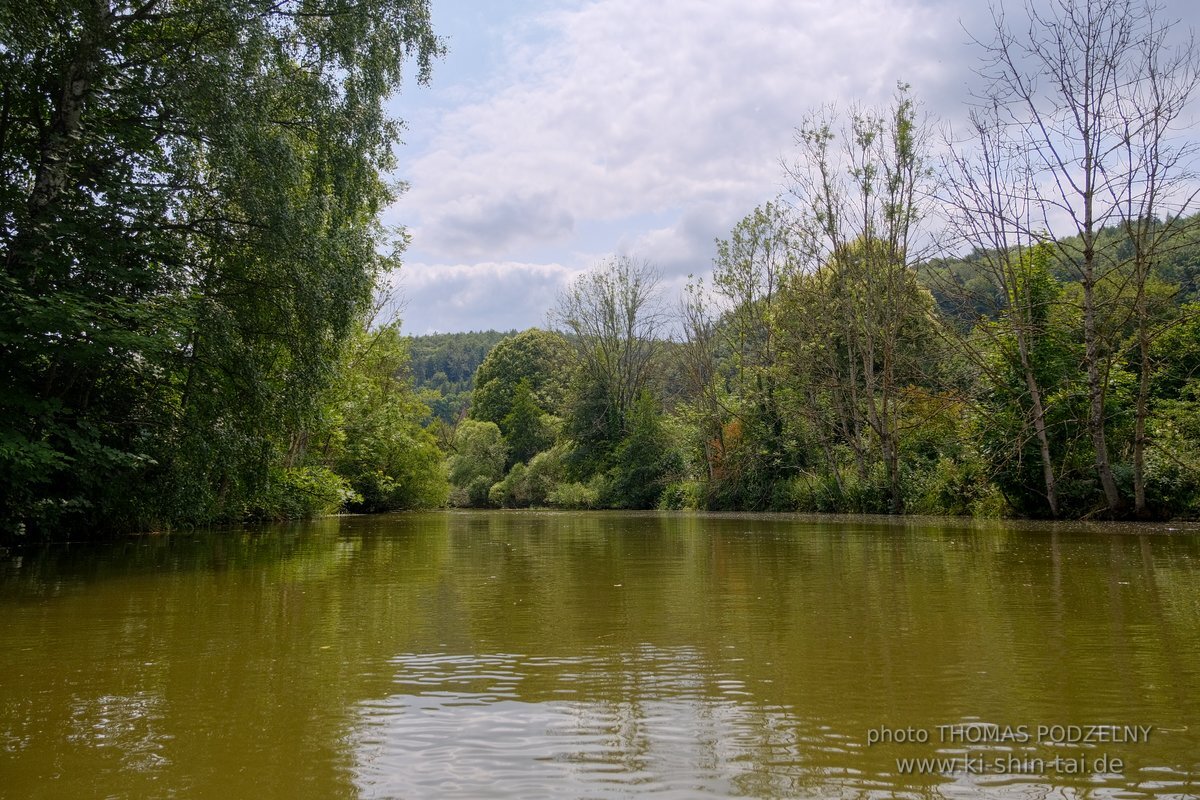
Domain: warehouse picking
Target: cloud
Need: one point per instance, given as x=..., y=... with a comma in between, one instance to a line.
x=621, y=109
x=479, y=224
x=509, y=295
x=685, y=245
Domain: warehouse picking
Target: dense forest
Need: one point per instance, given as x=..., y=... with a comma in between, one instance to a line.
x=995, y=320
x=190, y=194
x=443, y=368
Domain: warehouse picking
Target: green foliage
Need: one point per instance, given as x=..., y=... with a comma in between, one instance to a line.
x=477, y=463
x=613, y=315
x=531, y=484
x=749, y=460
x=1173, y=462
x=380, y=446
x=682, y=495
x=444, y=364
x=298, y=492
x=191, y=240
x=645, y=461
x=593, y=424
x=1176, y=354
x=539, y=359
x=512, y=491
x=1039, y=310
x=526, y=428
x=955, y=487
x=190, y=233
x=578, y=495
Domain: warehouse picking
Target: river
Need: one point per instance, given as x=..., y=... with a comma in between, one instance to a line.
x=603, y=655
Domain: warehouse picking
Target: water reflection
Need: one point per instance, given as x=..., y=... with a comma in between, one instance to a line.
x=596, y=655
x=603, y=725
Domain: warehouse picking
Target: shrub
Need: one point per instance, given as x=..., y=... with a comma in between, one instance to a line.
x=293, y=493
x=575, y=495
x=477, y=464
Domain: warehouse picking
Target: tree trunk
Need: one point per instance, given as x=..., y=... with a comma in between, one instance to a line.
x=1096, y=421
x=1039, y=425
x=54, y=158
x=1139, y=424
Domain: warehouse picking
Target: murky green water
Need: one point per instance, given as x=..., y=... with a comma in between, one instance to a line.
x=604, y=655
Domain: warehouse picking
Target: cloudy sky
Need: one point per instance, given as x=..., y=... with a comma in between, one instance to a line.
x=558, y=132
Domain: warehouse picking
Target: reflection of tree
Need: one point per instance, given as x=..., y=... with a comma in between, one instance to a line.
x=753, y=652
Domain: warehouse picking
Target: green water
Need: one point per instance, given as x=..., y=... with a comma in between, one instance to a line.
x=535, y=655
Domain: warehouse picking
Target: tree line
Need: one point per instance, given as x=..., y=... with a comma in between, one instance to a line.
x=190, y=239
x=832, y=363
x=191, y=247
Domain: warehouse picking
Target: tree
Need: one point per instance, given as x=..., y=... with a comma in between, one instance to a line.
x=444, y=364
x=987, y=193
x=1093, y=90
x=613, y=317
x=749, y=273
x=645, y=460
x=750, y=269
x=378, y=443
x=189, y=199
x=701, y=372
x=477, y=462
x=526, y=428
x=859, y=195
x=542, y=359
x=1028, y=357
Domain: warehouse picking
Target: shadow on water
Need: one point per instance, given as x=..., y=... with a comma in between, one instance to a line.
x=531, y=654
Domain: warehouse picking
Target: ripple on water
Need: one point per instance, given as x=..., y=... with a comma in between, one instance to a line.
x=663, y=728
x=655, y=721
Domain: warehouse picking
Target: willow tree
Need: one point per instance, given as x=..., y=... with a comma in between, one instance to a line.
x=190, y=202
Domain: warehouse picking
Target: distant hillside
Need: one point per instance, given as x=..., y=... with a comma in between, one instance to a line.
x=966, y=290
x=445, y=363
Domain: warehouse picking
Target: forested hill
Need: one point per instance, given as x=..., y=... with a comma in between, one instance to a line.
x=446, y=364
x=966, y=288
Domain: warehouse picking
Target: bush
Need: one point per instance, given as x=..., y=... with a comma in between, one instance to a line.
x=513, y=491
x=576, y=495
x=949, y=486
x=815, y=493
x=294, y=493
x=682, y=495
x=477, y=464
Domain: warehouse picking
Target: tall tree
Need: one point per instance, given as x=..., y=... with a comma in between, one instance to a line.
x=189, y=193
x=1093, y=90
x=542, y=359
x=613, y=316
x=859, y=194
x=738, y=317
x=987, y=193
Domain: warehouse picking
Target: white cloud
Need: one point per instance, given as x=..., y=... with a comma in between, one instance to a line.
x=625, y=108
x=474, y=297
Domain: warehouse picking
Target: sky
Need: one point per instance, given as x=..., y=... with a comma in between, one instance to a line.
x=557, y=133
